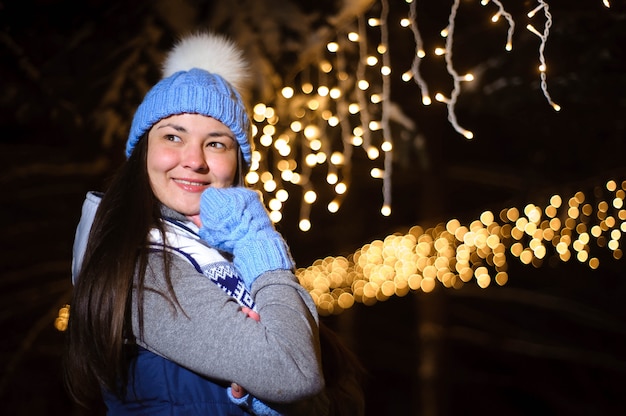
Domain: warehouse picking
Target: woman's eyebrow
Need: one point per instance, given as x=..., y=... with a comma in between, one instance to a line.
x=221, y=134
x=174, y=126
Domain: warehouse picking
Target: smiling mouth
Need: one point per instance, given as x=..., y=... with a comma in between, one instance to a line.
x=190, y=183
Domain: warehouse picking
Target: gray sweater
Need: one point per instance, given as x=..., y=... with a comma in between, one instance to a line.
x=276, y=360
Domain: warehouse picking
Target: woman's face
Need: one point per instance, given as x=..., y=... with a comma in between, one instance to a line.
x=187, y=153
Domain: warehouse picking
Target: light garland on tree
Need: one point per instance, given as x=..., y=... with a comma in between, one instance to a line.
x=340, y=103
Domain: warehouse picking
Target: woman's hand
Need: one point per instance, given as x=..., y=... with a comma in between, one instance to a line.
x=237, y=391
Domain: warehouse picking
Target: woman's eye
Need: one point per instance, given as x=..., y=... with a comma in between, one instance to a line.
x=172, y=138
x=217, y=145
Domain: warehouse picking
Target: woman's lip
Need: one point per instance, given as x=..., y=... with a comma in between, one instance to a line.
x=191, y=185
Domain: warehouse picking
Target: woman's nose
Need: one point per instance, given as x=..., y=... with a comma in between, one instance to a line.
x=194, y=159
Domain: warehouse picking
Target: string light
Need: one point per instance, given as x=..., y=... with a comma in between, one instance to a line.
x=456, y=90
x=340, y=101
x=544, y=38
x=453, y=254
x=509, y=19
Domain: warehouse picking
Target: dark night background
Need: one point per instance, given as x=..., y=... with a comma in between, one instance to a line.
x=550, y=342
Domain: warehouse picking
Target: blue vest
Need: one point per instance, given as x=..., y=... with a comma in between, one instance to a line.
x=159, y=387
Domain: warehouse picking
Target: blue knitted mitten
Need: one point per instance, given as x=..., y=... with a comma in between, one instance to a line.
x=252, y=405
x=235, y=220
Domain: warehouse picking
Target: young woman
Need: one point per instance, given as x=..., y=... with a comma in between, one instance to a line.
x=182, y=285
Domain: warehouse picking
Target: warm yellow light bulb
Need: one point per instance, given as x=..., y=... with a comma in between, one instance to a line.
x=275, y=216
x=266, y=140
x=535, y=10
x=332, y=46
x=326, y=66
x=311, y=132
x=287, y=92
x=375, y=125
x=533, y=30
x=315, y=144
x=468, y=134
x=296, y=126
x=376, y=98
x=274, y=204
x=304, y=225
x=252, y=178
x=372, y=153
x=259, y=109
x=270, y=186
x=282, y=195
x=310, y=197
x=385, y=210
x=337, y=158
x=310, y=160
x=376, y=173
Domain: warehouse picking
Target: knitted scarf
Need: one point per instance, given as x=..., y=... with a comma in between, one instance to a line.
x=184, y=242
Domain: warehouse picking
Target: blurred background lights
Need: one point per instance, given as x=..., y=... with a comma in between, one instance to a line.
x=454, y=254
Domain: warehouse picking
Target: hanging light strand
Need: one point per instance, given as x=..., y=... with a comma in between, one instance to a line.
x=387, y=145
x=361, y=67
x=456, y=79
x=503, y=13
x=544, y=39
x=349, y=87
x=419, y=55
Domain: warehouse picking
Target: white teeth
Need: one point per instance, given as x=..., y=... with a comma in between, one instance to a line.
x=189, y=182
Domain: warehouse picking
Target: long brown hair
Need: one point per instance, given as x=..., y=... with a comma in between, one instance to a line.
x=99, y=336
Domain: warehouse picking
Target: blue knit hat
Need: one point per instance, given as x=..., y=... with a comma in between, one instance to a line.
x=200, y=76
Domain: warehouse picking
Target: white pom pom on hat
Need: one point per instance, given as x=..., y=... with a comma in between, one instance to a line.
x=212, y=52
x=201, y=75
